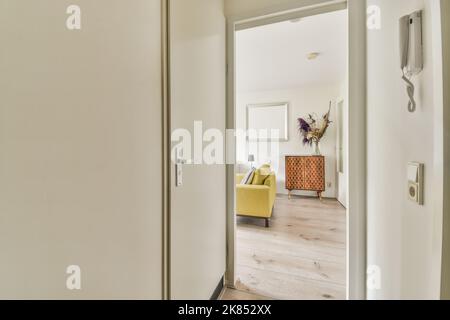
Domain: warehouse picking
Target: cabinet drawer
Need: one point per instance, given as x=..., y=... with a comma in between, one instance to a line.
x=295, y=177
x=314, y=174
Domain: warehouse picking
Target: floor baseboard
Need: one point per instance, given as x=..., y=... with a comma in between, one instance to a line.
x=218, y=290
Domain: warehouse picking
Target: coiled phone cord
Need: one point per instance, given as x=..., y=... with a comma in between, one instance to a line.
x=410, y=89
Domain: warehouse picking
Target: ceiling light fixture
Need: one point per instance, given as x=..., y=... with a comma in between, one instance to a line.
x=295, y=20
x=313, y=55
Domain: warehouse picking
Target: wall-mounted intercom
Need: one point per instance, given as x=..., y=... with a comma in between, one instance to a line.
x=411, y=52
x=416, y=182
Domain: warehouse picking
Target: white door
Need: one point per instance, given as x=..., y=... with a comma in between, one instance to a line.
x=198, y=94
x=80, y=149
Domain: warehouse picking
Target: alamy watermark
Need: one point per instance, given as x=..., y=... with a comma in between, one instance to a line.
x=73, y=22
x=373, y=17
x=73, y=281
x=373, y=277
x=215, y=147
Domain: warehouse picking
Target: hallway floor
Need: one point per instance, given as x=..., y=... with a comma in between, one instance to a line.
x=301, y=256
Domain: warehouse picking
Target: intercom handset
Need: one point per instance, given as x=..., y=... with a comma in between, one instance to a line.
x=411, y=51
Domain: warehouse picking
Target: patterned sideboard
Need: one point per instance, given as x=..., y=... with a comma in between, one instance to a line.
x=305, y=173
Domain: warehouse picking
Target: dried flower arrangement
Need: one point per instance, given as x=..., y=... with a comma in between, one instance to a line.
x=313, y=129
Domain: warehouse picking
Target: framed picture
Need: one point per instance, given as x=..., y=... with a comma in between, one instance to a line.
x=268, y=117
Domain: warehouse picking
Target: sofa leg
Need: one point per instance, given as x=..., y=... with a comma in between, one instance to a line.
x=267, y=223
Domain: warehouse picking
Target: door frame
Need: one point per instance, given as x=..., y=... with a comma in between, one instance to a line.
x=166, y=151
x=340, y=113
x=357, y=154
x=445, y=264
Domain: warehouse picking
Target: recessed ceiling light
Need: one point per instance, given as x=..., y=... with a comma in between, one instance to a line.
x=312, y=55
x=295, y=20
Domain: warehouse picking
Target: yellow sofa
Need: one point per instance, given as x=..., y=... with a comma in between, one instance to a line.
x=256, y=201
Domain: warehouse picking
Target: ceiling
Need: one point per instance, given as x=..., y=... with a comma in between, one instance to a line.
x=274, y=57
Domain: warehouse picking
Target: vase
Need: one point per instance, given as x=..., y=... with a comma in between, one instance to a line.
x=317, y=151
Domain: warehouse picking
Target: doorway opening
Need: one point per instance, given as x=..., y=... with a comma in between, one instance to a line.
x=286, y=68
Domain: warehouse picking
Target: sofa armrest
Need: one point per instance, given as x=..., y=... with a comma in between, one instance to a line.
x=253, y=200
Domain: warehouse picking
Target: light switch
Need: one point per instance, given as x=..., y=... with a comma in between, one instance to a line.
x=415, y=182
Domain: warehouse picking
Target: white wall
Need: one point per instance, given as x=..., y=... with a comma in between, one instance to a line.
x=404, y=239
x=198, y=208
x=303, y=101
x=80, y=150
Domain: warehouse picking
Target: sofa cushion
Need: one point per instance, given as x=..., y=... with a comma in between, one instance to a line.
x=260, y=176
x=248, y=178
x=266, y=165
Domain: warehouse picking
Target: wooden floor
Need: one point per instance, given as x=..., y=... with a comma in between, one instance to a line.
x=301, y=256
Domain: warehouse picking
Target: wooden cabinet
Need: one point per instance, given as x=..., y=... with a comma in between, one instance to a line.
x=306, y=173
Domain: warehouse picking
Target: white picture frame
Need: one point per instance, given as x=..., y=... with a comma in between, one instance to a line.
x=268, y=116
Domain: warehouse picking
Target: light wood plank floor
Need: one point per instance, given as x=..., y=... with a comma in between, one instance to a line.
x=302, y=256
